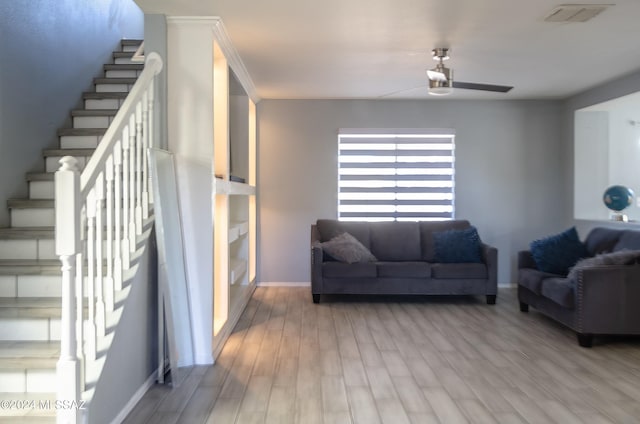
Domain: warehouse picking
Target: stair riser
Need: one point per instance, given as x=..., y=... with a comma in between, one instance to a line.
x=31, y=285
x=129, y=48
x=113, y=88
x=32, y=217
x=33, y=381
x=27, y=249
x=41, y=189
x=122, y=73
x=123, y=61
x=52, y=163
x=92, y=121
x=79, y=141
x=45, y=329
x=103, y=103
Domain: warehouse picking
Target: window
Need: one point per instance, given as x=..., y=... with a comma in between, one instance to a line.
x=401, y=175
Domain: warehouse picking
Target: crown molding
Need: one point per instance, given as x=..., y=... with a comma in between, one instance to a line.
x=230, y=53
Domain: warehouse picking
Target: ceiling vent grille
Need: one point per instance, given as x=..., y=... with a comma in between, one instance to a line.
x=575, y=12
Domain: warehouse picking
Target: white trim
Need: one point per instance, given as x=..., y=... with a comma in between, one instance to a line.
x=284, y=284
x=230, y=53
x=136, y=398
x=203, y=360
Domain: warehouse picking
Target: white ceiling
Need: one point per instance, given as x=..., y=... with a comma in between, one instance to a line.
x=370, y=48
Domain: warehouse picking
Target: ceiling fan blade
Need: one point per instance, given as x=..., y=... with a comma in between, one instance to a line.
x=484, y=87
x=436, y=76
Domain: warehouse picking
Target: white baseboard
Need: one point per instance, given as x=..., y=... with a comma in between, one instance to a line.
x=203, y=360
x=136, y=398
x=284, y=284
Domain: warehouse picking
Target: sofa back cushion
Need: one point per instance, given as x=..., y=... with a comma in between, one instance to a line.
x=329, y=228
x=629, y=240
x=395, y=241
x=602, y=240
x=427, y=228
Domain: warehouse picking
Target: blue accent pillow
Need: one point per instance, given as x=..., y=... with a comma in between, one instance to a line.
x=457, y=246
x=556, y=254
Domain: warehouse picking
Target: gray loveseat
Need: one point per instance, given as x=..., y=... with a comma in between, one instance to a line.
x=404, y=262
x=600, y=295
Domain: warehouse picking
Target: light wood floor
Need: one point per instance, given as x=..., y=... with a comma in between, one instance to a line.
x=444, y=360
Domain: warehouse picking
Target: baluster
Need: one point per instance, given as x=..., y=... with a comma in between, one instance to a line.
x=108, y=280
x=138, y=168
x=91, y=244
x=117, y=195
x=131, y=226
x=67, y=242
x=126, y=262
x=145, y=158
x=100, y=308
x=152, y=141
x=80, y=350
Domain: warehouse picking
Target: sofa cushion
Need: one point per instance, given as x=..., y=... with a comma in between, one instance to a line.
x=602, y=240
x=345, y=248
x=459, y=271
x=559, y=290
x=427, y=228
x=404, y=269
x=556, y=254
x=532, y=279
x=329, y=228
x=395, y=241
x=457, y=246
x=629, y=240
x=345, y=270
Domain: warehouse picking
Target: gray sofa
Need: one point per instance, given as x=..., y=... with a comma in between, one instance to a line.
x=404, y=265
x=599, y=296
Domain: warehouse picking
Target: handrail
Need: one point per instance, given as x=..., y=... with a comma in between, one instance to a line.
x=99, y=215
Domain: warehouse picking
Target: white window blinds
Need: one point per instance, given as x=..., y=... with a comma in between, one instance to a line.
x=402, y=175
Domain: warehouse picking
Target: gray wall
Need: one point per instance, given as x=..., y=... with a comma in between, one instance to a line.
x=510, y=168
x=49, y=53
x=133, y=356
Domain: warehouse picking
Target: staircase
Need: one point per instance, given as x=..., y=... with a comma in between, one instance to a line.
x=30, y=271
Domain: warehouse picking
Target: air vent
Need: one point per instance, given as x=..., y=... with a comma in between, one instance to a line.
x=575, y=12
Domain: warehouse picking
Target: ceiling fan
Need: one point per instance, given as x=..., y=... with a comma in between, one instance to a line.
x=441, y=78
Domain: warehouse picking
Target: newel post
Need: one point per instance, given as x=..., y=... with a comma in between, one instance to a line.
x=67, y=233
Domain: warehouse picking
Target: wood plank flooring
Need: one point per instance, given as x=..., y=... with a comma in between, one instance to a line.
x=410, y=360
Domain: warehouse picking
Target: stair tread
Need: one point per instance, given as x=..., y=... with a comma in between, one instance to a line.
x=67, y=152
x=114, y=80
x=124, y=67
x=26, y=233
x=30, y=203
x=29, y=308
x=39, y=414
x=94, y=112
x=123, y=54
x=81, y=131
x=104, y=95
x=30, y=267
x=131, y=42
x=29, y=354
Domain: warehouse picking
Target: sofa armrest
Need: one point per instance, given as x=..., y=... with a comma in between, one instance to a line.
x=607, y=299
x=490, y=258
x=317, y=256
x=525, y=260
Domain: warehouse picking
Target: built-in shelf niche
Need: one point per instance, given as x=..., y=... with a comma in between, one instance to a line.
x=234, y=197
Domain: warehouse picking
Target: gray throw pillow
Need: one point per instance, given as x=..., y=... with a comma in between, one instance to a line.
x=346, y=248
x=621, y=257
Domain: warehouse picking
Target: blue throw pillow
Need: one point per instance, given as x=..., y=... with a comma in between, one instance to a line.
x=457, y=246
x=557, y=253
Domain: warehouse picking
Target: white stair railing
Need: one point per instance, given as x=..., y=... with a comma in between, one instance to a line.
x=99, y=214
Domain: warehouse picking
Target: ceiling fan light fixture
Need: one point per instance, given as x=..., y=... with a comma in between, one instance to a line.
x=440, y=88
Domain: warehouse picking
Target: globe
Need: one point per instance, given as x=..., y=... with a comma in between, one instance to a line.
x=618, y=197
